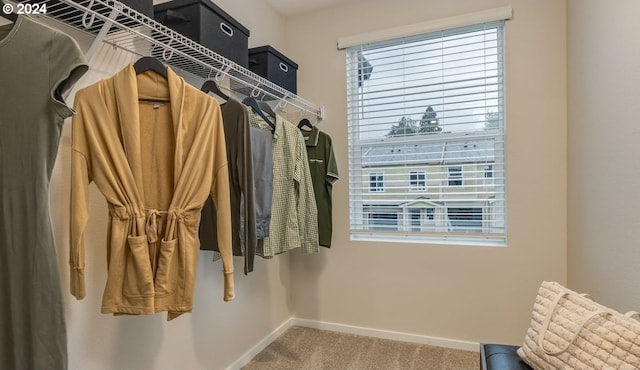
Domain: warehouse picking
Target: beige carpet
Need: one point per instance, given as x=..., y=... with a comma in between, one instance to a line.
x=303, y=348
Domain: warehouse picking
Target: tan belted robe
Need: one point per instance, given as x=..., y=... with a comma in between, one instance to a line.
x=156, y=164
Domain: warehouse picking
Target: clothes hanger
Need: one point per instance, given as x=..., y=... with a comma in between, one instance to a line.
x=13, y=17
x=150, y=64
x=253, y=103
x=211, y=86
x=145, y=64
x=267, y=108
x=305, y=123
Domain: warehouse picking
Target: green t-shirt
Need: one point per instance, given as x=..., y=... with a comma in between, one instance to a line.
x=324, y=173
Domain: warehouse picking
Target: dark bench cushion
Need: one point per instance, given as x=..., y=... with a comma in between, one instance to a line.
x=501, y=357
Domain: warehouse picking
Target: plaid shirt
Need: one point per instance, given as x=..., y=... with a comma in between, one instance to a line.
x=294, y=216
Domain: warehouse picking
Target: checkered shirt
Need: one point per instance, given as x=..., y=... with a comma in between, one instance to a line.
x=294, y=216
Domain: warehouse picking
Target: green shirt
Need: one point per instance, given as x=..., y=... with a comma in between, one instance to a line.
x=324, y=173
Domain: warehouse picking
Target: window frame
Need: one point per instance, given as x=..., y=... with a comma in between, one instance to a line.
x=376, y=185
x=495, y=208
x=419, y=184
x=455, y=175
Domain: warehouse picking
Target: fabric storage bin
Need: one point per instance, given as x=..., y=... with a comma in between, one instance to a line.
x=205, y=23
x=275, y=67
x=143, y=6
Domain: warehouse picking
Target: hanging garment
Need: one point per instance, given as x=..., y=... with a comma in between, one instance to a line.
x=294, y=217
x=324, y=173
x=37, y=64
x=262, y=158
x=155, y=164
x=236, y=131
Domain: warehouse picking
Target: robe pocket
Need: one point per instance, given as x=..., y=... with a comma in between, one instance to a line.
x=168, y=267
x=138, y=278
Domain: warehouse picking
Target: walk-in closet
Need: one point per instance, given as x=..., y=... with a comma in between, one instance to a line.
x=319, y=184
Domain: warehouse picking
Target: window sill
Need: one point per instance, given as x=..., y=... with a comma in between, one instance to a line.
x=459, y=241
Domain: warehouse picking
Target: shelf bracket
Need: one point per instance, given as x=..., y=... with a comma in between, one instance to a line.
x=103, y=31
x=281, y=103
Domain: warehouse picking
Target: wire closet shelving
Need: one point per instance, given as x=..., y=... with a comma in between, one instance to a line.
x=114, y=23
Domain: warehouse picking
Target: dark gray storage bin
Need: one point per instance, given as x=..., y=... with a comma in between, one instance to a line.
x=143, y=6
x=205, y=23
x=274, y=66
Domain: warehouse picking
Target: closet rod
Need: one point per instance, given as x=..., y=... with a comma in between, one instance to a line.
x=114, y=23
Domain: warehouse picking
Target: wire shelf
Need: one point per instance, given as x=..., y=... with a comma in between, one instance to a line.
x=114, y=23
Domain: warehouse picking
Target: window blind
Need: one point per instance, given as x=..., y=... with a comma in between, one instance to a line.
x=426, y=124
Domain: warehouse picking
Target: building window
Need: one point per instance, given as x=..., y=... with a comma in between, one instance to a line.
x=465, y=220
x=433, y=102
x=488, y=171
x=381, y=218
x=384, y=221
x=488, y=174
x=455, y=176
x=417, y=181
x=376, y=182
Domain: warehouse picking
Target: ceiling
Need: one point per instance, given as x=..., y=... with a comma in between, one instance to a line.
x=296, y=7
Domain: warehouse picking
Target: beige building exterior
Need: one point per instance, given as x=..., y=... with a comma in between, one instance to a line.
x=444, y=187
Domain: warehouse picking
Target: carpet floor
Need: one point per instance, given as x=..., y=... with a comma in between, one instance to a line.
x=305, y=348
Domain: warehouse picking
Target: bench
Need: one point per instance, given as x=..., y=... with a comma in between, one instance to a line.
x=501, y=357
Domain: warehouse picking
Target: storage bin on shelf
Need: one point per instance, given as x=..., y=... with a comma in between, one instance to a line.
x=142, y=6
x=269, y=63
x=205, y=23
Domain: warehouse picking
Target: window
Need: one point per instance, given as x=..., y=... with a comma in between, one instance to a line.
x=376, y=182
x=381, y=218
x=488, y=174
x=384, y=221
x=488, y=171
x=465, y=220
x=455, y=176
x=433, y=101
x=417, y=181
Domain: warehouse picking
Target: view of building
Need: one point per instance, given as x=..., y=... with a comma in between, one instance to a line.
x=438, y=187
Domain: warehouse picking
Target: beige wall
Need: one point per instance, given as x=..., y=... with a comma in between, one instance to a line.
x=604, y=165
x=216, y=334
x=456, y=292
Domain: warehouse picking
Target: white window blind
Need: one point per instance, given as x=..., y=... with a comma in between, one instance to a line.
x=428, y=112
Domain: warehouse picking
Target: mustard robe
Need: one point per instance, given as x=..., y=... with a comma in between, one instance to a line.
x=156, y=164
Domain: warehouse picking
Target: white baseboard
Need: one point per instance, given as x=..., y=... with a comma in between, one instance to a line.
x=261, y=345
x=356, y=330
x=387, y=334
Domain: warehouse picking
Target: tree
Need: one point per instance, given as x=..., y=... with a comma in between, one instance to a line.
x=405, y=127
x=492, y=120
x=429, y=122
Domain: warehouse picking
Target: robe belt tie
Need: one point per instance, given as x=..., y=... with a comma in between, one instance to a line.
x=151, y=225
